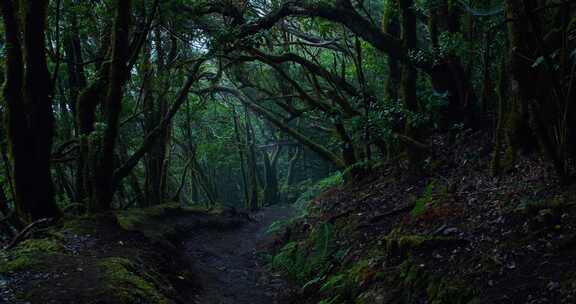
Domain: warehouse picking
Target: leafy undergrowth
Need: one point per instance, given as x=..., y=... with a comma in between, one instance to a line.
x=453, y=234
x=125, y=258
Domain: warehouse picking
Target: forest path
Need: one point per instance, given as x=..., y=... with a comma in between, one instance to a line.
x=227, y=262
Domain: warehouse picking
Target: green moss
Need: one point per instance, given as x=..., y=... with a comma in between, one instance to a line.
x=449, y=292
x=28, y=255
x=123, y=281
x=41, y=245
x=532, y=208
x=401, y=245
x=82, y=225
x=346, y=285
x=416, y=283
x=17, y=264
x=132, y=219
x=346, y=226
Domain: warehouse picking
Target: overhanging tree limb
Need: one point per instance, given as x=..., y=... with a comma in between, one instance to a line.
x=150, y=139
x=322, y=151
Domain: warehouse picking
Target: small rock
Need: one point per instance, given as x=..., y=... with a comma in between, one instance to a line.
x=451, y=231
x=553, y=286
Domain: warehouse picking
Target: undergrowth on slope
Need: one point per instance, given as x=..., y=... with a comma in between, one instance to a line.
x=306, y=261
x=328, y=272
x=322, y=185
x=434, y=194
x=302, y=203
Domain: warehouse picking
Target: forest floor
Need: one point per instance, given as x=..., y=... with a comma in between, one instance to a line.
x=229, y=266
x=450, y=234
x=165, y=254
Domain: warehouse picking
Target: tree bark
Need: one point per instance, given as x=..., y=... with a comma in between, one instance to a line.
x=29, y=115
x=102, y=150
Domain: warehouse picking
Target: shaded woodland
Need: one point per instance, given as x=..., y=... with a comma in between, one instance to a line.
x=414, y=115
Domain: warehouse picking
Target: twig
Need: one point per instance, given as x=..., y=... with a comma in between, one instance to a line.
x=24, y=233
x=394, y=212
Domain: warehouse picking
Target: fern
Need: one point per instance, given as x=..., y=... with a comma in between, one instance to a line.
x=421, y=203
x=308, y=260
x=333, y=300
x=322, y=185
x=337, y=282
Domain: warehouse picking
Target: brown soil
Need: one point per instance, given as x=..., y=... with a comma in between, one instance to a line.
x=513, y=236
x=182, y=256
x=228, y=265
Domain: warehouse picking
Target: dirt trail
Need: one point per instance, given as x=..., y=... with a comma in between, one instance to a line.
x=229, y=267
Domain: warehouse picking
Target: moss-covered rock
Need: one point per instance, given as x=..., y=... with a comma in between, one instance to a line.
x=94, y=259
x=28, y=255
x=123, y=280
x=401, y=245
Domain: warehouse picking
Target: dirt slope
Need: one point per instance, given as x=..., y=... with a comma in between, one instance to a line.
x=450, y=235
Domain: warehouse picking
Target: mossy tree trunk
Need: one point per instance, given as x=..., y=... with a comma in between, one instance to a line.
x=271, y=189
x=409, y=77
x=155, y=109
x=102, y=149
x=254, y=200
x=391, y=26
x=241, y=152
x=29, y=115
x=543, y=104
x=290, y=176
x=449, y=76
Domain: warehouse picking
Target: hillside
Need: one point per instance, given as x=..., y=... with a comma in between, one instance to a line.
x=454, y=234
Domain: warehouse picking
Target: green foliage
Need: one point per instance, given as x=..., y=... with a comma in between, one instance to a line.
x=532, y=207
x=451, y=44
x=416, y=283
x=421, y=203
x=314, y=190
x=124, y=281
x=277, y=226
x=29, y=254
x=308, y=260
x=429, y=199
x=330, y=301
x=362, y=166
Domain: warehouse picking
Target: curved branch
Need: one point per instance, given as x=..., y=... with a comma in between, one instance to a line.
x=310, y=66
x=322, y=151
x=151, y=137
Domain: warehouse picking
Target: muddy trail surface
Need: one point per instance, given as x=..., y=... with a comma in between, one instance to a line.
x=229, y=266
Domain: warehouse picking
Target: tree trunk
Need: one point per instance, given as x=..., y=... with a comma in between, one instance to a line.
x=29, y=115
x=253, y=203
x=241, y=149
x=271, y=190
x=102, y=149
x=290, y=176
x=532, y=83
x=391, y=26
x=409, y=77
